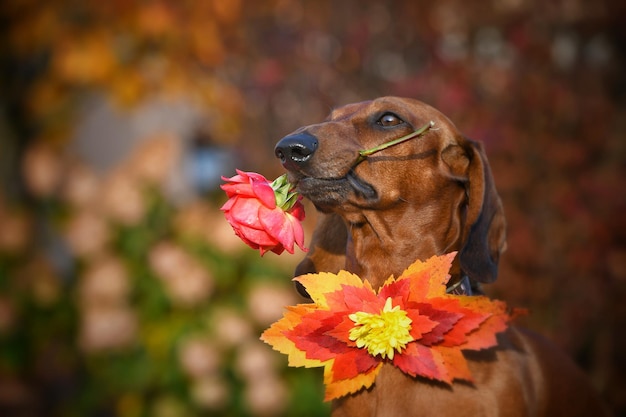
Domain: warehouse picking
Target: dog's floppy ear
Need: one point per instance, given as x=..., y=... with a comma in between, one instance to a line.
x=484, y=230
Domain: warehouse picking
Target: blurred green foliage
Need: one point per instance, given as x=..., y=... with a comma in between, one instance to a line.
x=136, y=366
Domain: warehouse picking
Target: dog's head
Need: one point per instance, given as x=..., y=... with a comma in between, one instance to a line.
x=435, y=191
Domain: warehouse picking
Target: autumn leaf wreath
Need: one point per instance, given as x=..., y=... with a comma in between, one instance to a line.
x=410, y=322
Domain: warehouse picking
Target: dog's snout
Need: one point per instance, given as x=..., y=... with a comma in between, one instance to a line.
x=296, y=149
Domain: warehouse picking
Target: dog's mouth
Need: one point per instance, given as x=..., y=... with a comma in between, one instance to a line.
x=327, y=193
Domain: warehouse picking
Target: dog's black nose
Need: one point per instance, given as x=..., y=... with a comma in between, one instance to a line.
x=295, y=150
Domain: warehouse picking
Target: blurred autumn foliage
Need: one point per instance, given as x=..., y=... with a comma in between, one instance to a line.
x=123, y=291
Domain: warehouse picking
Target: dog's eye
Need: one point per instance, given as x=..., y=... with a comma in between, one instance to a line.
x=389, y=119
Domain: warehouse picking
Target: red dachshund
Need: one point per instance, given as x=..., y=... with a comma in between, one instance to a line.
x=426, y=196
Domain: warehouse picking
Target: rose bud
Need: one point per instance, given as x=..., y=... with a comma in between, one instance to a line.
x=266, y=216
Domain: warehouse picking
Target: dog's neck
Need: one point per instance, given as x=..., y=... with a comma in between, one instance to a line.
x=377, y=237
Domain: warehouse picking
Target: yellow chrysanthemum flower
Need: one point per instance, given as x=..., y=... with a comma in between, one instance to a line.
x=384, y=333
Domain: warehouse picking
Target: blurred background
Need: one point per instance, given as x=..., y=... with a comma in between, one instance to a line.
x=124, y=292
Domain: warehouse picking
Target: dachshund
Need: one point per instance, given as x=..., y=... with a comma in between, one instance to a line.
x=427, y=196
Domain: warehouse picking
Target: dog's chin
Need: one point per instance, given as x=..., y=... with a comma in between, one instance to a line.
x=328, y=194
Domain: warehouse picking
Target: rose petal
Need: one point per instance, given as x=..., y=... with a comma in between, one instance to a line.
x=278, y=249
x=264, y=192
x=298, y=232
x=228, y=204
x=238, y=189
x=234, y=178
x=276, y=224
x=253, y=176
x=246, y=211
x=259, y=237
x=297, y=210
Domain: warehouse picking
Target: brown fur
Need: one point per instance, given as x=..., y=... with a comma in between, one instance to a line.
x=427, y=196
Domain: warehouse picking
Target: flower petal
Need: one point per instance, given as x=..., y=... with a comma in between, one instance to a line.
x=228, y=204
x=275, y=222
x=298, y=231
x=256, y=236
x=278, y=249
x=245, y=211
x=297, y=210
x=240, y=177
x=252, y=176
x=238, y=189
x=264, y=192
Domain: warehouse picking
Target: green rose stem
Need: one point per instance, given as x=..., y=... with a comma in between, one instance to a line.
x=363, y=154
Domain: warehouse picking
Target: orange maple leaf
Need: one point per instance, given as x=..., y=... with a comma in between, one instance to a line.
x=410, y=322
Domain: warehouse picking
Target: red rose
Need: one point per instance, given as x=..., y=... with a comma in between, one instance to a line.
x=266, y=216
